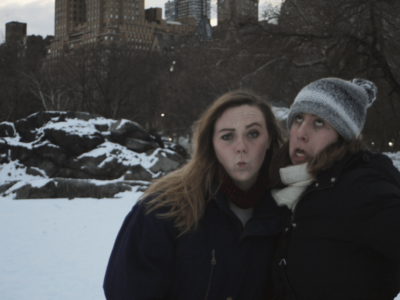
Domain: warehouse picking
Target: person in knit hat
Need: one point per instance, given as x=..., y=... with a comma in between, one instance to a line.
x=209, y=229
x=342, y=236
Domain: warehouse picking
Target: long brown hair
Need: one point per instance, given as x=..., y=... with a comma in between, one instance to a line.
x=324, y=160
x=186, y=191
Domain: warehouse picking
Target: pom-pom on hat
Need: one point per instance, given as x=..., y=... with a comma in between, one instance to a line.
x=343, y=104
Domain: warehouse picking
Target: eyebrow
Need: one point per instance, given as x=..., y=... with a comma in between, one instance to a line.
x=233, y=129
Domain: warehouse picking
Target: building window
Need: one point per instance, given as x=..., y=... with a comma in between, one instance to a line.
x=116, y=16
x=111, y=38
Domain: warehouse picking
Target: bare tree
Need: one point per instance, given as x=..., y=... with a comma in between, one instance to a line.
x=321, y=38
x=48, y=86
x=15, y=99
x=78, y=75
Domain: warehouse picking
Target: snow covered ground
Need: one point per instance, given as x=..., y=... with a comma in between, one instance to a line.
x=58, y=249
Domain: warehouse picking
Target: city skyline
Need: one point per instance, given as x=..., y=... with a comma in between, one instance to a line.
x=39, y=14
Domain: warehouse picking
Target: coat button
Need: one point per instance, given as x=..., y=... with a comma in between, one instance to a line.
x=294, y=224
x=333, y=179
x=287, y=229
x=366, y=157
x=316, y=185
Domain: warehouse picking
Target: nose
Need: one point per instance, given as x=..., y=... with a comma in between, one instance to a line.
x=302, y=132
x=241, y=146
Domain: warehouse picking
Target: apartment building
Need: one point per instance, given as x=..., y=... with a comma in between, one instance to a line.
x=171, y=10
x=15, y=31
x=121, y=23
x=237, y=10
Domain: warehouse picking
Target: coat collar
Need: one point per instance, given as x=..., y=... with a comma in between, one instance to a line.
x=330, y=177
x=266, y=219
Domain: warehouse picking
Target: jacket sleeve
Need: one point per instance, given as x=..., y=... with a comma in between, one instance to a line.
x=377, y=224
x=141, y=262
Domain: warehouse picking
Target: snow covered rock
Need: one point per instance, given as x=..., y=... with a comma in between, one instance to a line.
x=7, y=129
x=165, y=160
x=137, y=173
x=63, y=152
x=124, y=129
x=78, y=138
x=5, y=186
x=176, y=148
x=139, y=145
x=29, y=191
x=36, y=161
x=25, y=130
x=69, y=188
x=52, y=152
x=20, y=151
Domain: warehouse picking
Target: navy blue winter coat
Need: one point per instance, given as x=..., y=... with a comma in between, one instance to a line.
x=219, y=259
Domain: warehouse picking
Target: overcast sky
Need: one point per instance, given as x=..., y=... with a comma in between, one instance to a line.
x=39, y=14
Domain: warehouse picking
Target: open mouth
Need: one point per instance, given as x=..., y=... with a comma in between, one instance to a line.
x=299, y=156
x=299, y=153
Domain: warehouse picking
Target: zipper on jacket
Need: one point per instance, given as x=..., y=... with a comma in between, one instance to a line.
x=213, y=263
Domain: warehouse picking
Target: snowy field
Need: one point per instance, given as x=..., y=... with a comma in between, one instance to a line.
x=58, y=249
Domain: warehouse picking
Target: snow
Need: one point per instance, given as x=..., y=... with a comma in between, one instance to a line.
x=123, y=122
x=59, y=248
x=281, y=113
x=15, y=171
x=395, y=157
x=126, y=157
x=74, y=126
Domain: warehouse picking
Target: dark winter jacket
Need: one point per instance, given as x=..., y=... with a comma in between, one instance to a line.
x=343, y=239
x=219, y=259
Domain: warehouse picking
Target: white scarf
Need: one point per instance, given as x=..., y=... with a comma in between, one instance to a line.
x=298, y=179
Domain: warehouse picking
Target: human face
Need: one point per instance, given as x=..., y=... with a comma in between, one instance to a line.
x=240, y=142
x=309, y=135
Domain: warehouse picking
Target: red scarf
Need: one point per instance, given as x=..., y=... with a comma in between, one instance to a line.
x=246, y=199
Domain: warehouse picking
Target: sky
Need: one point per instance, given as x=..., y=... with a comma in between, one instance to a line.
x=39, y=14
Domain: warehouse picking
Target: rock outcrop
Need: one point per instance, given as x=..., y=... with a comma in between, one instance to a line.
x=79, y=154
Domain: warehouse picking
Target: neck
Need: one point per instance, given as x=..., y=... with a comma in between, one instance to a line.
x=245, y=186
x=245, y=194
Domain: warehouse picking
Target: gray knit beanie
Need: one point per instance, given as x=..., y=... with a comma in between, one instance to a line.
x=343, y=104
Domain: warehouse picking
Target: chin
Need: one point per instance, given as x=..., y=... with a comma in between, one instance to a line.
x=242, y=178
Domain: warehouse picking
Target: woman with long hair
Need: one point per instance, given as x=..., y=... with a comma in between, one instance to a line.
x=342, y=239
x=208, y=230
